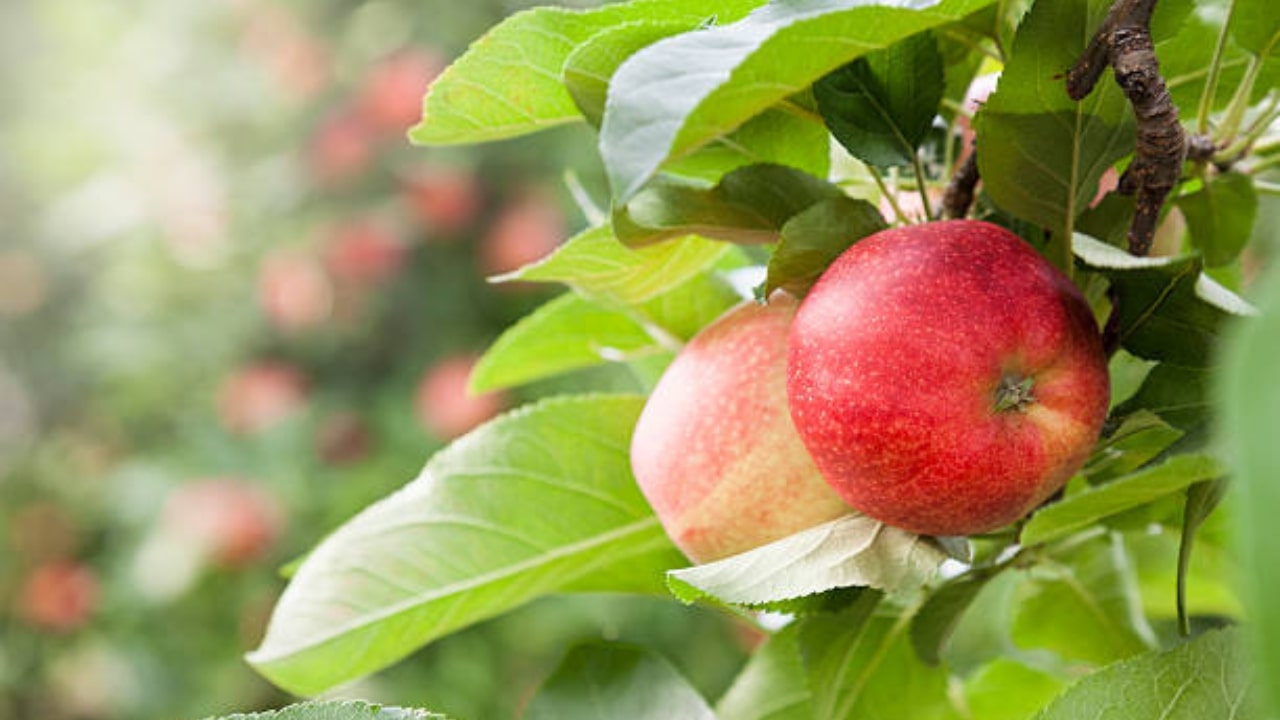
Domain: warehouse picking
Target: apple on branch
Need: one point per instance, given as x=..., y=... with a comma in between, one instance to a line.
x=946, y=378
x=714, y=450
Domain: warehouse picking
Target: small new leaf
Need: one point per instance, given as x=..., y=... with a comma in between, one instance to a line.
x=812, y=239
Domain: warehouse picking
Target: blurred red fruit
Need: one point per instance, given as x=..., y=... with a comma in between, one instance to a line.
x=445, y=199
x=296, y=61
x=294, y=290
x=527, y=229
x=340, y=149
x=363, y=252
x=260, y=395
x=343, y=438
x=443, y=404
x=391, y=94
x=231, y=521
x=58, y=596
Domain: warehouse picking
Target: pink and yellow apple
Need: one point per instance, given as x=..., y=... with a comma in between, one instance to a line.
x=945, y=377
x=714, y=450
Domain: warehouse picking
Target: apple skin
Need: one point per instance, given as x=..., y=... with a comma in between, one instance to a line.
x=714, y=450
x=895, y=360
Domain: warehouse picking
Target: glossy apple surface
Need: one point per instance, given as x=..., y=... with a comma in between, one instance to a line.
x=714, y=450
x=945, y=377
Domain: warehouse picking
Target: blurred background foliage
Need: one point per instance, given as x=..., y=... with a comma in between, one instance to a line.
x=235, y=307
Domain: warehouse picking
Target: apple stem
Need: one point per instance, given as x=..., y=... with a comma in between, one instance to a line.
x=1014, y=393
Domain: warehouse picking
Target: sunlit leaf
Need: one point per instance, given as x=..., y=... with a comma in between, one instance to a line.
x=598, y=681
x=1009, y=690
x=1205, y=679
x=469, y=539
x=850, y=551
x=683, y=92
x=508, y=83
x=599, y=266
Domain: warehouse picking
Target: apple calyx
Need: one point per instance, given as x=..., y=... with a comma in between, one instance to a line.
x=1013, y=394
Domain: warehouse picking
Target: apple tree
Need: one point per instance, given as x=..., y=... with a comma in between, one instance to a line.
x=744, y=146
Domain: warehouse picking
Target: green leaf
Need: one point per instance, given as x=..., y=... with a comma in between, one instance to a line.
x=748, y=206
x=1006, y=689
x=1040, y=153
x=850, y=551
x=772, y=686
x=1090, y=505
x=937, y=619
x=336, y=710
x=1255, y=25
x=1202, y=499
x=588, y=68
x=616, y=681
x=1169, y=310
x=600, y=267
x=1176, y=394
x=567, y=333
x=683, y=92
x=1220, y=216
x=861, y=665
x=881, y=106
x=508, y=83
x=470, y=538
x=1085, y=608
x=781, y=135
x=1204, y=679
x=1250, y=401
x=815, y=237
x=572, y=332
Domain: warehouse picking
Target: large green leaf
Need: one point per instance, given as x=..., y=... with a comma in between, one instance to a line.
x=1090, y=505
x=850, y=551
x=1169, y=310
x=598, y=681
x=936, y=620
x=336, y=710
x=1176, y=394
x=772, y=686
x=861, y=667
x=881, y=106
x=683, y=92
x=1040, y=153
x=1250, y=398
x=538, y=501
x=508, y=83
x=1085, y=606
x=1220, y=216
x=1204, y=679
x=588, y=68
x=1255, y=25
x=599, y=266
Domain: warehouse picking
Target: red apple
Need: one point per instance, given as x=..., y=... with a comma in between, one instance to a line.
x=443, y=404
x=260, y=395
x=294, y=291
x=444, y=199
x=715, y=452
x=391, y=94
x=230, y=521
x=58, y=596
x=364, y=251
x=343, y=438
x=945, y=377
x=526, y=229
x=341, y=148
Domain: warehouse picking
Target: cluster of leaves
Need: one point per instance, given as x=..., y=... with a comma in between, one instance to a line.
x=714, y=125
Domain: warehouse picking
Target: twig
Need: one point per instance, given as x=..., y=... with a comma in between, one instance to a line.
x=1124, y=43
x=958, y=197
